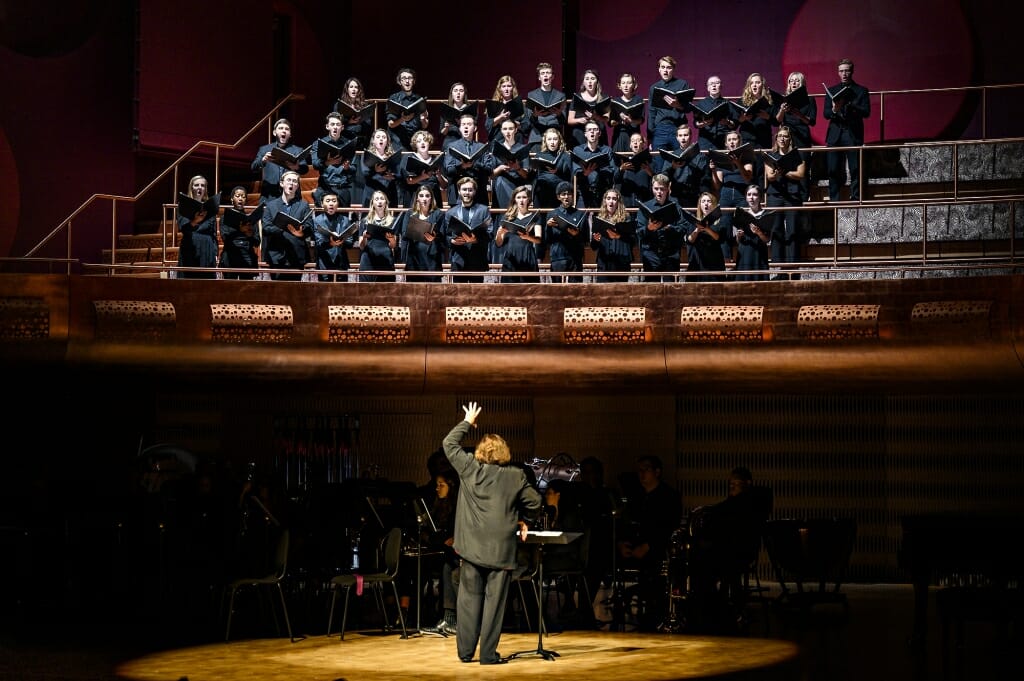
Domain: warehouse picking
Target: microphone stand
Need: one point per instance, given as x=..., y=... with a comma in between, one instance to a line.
x=618, y=622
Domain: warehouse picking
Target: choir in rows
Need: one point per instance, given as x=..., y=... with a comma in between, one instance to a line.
x=548, y=177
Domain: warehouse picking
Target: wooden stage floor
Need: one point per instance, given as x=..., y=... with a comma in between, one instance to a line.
x=583, y=656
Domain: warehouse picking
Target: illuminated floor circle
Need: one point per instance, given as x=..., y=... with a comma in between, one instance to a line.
x=583, y=656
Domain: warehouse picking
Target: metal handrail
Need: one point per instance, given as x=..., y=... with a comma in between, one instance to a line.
x=272, y=115
x=173, y=168
x=880, y=94
x=924, y=204
x=836, y=269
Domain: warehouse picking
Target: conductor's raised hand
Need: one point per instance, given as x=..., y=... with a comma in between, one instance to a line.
x=472, y=411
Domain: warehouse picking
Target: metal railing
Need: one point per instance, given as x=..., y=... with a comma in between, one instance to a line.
x=67, y=224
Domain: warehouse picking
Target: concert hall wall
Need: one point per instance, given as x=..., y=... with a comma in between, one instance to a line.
x=102, y=96
x=870, y=457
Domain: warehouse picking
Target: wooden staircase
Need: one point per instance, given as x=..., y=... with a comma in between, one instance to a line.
x=146, y=246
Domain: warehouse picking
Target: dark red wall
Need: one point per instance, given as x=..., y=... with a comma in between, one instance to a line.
x=74, y=99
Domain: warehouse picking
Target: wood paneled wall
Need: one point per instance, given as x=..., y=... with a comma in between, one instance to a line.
x=870, y=458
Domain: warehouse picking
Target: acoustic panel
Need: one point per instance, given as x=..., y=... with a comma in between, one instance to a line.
x=134, y=320
x=605, y=325
x=248, y=323
x=838, y=322
x=722, y=323
x=486, y=325
x=373, y=324
x=24, y=318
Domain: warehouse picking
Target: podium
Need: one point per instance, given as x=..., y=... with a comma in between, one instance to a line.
x=540, y=538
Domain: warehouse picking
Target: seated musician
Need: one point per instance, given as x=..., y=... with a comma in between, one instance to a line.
x=443, y=513
x=726, y=538
x=654, y=513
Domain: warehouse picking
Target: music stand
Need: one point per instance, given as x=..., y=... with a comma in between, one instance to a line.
x=540, y=538
x=618, y=596
x=422, y=512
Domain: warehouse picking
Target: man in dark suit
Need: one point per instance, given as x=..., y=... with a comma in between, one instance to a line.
x=492, y=495
x=847, y=104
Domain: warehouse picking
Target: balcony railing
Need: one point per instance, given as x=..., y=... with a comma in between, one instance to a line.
x=981, y=172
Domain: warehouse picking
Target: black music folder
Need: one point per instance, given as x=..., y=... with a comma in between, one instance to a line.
x=516, y=227
x=458, y=227
x=624, y=228
x=372, y=160
x=574, y=221
x=716, y=113
x=548, y=160
x=683, y=97
x=753, y=109
x=348, y=111
x=599, y=159
x=189, y=207
x=283, y=157
x=514, y=107
x=452, y=115
x=524, y=224
x=796, y=99
x=235, y=218
x=542, y=109
x=680, y=155
x=743, y=220
x=376, y=231
x=416, y=227
x=516, y=154
x=618, y=107
x=601, y=107
x=667, y=214
x=840, y=96
x=284, y=220
x=463, y=157
x=340, y=236
x=414, y=165
x=743, y=153
x=785, y=162
x=416, y=107
x=345, y=148
x=637, y=160
x=709, y=219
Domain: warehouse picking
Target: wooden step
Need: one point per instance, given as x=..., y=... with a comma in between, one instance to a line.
x=103, y=271
x=126, y=256
x=153, y=240
x=151, y=226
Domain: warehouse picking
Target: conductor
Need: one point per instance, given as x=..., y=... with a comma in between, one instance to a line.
x=492, y=495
